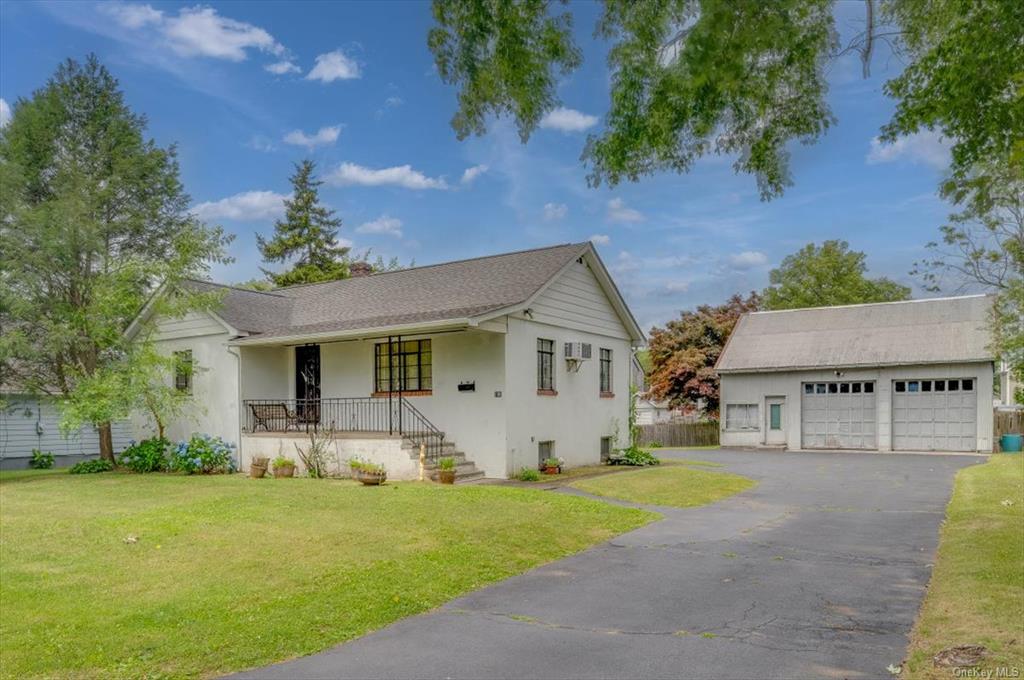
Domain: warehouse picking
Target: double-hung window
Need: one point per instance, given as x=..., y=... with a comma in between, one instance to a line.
x=183, y=371
x=545, y=365
x=741, y=417
x=403, y=366
x=606, y=372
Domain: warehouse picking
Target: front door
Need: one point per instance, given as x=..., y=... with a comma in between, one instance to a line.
x=307, y=383
x=775, y=415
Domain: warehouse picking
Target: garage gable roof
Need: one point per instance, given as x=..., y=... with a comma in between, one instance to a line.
x=930, y=331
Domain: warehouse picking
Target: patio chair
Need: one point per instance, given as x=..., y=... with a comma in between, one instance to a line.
x=265, y=415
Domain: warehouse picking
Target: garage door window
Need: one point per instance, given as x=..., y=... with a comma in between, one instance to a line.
x=741, y=417
x=967, y=385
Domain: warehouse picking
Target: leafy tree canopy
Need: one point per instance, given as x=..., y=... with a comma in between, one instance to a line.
x=307, y=237
x=93, y=219
x=683, y=353
x=831, y=274
x=696, y=77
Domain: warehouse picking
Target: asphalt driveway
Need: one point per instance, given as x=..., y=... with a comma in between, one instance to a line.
x=818, y=572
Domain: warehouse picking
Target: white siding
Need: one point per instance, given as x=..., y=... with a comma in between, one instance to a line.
x=575, y=300
x=28, y=423
x=192, y=324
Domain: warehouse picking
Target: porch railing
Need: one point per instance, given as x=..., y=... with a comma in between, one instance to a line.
x=345, y=414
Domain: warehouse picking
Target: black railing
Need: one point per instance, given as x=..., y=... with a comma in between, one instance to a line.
x=350, y=414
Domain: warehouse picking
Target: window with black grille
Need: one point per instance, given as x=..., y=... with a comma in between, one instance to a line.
x=545, y=364
x=403, y=366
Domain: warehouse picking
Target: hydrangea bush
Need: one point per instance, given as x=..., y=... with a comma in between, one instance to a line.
x=203, y=454
x=149, y=455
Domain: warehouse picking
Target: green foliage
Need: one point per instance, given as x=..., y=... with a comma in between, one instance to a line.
x=149, y=455
x=633, y=455
x=552, y=462
x=282, y=462
x=366, y=466
x=655, y=445
x=528, y=475
x=88, y=467
x=318, y=456
x=505, y=56
x=684, y=352
x=41, y=460
x=203, y=454
x=307, y=237
x=446, y=463
x=94, y=218
x=831, y=274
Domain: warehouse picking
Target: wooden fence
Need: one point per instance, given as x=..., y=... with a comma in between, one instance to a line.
x=680, y=434
x=1007, y=422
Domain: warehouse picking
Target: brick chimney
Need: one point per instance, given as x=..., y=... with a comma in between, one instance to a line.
x=360, y=269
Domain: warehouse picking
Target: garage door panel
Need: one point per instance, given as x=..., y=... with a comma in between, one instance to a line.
x=941, y=416
x=838, y=415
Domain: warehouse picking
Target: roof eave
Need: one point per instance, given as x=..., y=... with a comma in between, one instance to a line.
x=824, y=367
x=356, y=333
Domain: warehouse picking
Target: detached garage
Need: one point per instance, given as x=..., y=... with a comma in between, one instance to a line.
x=896, y=376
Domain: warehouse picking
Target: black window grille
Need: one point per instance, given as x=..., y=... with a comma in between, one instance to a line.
x=403, y=366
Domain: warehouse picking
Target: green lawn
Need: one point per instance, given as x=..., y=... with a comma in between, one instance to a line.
x=680, y=486
x=229, y=573
x=976, y=595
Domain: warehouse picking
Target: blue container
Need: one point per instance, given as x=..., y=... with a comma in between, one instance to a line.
x=1010, y=443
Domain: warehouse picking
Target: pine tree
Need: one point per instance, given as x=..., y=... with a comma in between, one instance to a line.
x=307, y=237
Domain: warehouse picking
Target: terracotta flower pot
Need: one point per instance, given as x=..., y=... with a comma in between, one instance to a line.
x=284, y=471
x=446, y=476
x=256, y=471
x=552, y=470
x=370, y=478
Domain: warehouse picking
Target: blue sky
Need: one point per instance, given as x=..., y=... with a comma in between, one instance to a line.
x=246, y=89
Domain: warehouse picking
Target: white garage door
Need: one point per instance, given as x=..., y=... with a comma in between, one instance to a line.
x=838, y=415
x=935, y=415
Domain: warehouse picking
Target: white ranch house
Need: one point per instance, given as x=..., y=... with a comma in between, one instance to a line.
x=897, y=376
x=500, y=361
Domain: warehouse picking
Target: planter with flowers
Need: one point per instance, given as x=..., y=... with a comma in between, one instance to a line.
x=446, y=470
x=284, y=467
x=368, y=473
x=552, y=466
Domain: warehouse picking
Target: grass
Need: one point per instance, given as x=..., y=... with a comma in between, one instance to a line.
x=680, y=486
x=976, y=594
x=229, y=573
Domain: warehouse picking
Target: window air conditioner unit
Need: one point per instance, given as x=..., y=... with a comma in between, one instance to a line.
x=576, y=353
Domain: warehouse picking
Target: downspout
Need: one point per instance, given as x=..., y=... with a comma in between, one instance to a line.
x=237, y=353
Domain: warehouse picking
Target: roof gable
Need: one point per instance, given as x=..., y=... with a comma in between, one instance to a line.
x=943, y=330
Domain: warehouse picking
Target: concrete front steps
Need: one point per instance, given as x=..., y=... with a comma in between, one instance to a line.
x=465, y=469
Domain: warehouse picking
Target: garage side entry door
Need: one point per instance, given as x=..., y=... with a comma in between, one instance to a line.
x=838, y=415
x=935, y=415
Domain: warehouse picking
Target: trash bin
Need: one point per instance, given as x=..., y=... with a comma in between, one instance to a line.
x=1010, y=443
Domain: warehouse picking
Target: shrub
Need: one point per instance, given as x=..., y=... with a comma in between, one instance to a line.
x=528, y=475
x=41, y=460
x=447, y=463
x=149, y=455
x=88, y=467
x=318, y=456
x=203, y=454
x=633, y=456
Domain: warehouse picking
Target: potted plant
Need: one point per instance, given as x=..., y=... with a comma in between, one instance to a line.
x=258, y=467
x=446, y=470
x=552, y=466
x=284, y=467
x=368, y=473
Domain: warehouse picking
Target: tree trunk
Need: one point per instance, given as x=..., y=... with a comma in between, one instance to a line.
x=106, y=442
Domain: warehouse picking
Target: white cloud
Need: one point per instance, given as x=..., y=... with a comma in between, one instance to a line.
x=399, y=175
x=568, y=120
x=197, y=31
x=600, y=239
x=392, y=102
x=619, y=212
x=333, y=66
x=927, y=147
x=555, y=211
x=325, y=135
x=625, y=263
x=392, y=226
x=282, y=67
x=472, y=173
x=248, y=205
x=748, y=259
x=674, y=287
x=5, y=113
x=261, y=143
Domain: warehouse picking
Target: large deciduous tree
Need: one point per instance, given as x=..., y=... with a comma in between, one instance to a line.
x=830, y=274
x=683, y=353
x=94, y=219
x=307, y=237
x=696, y=77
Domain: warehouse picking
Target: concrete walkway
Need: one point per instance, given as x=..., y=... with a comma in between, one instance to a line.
x=818, y=572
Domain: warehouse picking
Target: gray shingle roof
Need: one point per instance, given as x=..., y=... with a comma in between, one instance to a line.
x=441, y=292
x=942, y=330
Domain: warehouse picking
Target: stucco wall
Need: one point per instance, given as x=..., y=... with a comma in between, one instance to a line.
x=399, y=459
x=578, y=416
x=753, y=388
x=215, y=403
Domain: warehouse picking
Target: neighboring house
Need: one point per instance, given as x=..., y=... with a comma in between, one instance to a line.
x=1008, y=386
x=507, y=359
x=650, y=411
x=896, y=376
x=31, y=422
